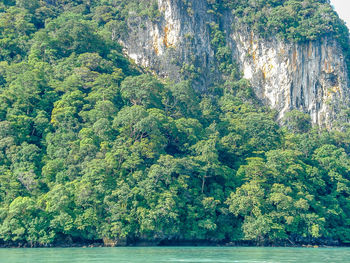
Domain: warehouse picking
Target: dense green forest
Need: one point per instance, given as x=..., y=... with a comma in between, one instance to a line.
x=94, y=148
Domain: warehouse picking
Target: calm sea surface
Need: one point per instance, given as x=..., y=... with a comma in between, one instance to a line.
x=175, y=254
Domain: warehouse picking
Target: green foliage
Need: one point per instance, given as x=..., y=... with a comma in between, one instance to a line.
x=297, y=121
x=92, y=149
x=295, y=20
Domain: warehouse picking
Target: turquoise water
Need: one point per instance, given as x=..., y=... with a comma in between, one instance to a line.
x=175, y=254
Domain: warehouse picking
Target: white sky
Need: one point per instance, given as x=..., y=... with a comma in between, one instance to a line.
x=343, y=9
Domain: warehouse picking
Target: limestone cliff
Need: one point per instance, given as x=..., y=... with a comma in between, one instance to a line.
x=310, y=76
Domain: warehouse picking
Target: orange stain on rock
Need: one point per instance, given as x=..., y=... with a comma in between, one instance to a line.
x=165, y=39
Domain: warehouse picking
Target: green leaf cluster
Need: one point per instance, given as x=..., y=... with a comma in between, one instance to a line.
x=93, y=149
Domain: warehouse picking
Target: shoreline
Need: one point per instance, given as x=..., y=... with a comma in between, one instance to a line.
x=178, y=244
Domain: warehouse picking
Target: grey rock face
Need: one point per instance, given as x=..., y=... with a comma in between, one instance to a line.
x=180, y=39
x=311, y=77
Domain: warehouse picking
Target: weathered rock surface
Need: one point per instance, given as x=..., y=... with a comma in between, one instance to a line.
x=179, y=39
x=310, y=76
